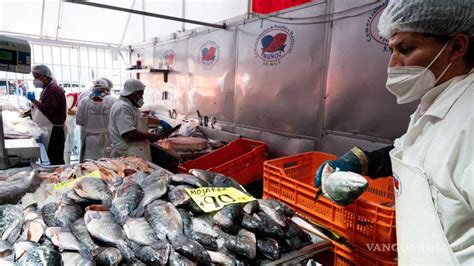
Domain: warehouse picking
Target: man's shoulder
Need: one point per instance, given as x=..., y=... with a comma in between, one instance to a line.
x=56, y=89
x=54, y=86
x=121, y=106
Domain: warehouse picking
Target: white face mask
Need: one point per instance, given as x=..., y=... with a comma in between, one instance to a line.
x=410, y=83
x=140, y=102
x=37, y=83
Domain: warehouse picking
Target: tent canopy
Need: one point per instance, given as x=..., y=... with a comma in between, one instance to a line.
x=65, y=21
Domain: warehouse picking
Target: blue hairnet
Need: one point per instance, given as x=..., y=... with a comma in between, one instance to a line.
x=439, y=17
x=42, y=70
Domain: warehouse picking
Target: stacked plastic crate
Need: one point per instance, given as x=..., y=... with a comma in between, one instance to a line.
x=368, y=223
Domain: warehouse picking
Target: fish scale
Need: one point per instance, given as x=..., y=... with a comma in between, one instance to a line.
x=126, y=199
x=154, y=187
x=101, y=225
x=139, y=231
x=165, y=219
x=79, y=229
x=11, y=220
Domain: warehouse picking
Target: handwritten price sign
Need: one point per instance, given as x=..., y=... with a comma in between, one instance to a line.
x=211, y=199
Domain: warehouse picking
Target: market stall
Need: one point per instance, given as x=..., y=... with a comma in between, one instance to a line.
x=282, y=132
x=17, y=132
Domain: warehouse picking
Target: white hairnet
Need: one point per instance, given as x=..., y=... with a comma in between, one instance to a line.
x=439, y=17
x=101, y=84
x=42, y=70
x=109, y=82
x=131, y=86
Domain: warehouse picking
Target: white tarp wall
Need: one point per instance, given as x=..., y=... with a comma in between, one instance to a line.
x=311, y=78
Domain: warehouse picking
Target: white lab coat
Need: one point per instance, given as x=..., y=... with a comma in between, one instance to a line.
x=93, y=117
x=125, y=117
x=82, y=95
x=440, y=141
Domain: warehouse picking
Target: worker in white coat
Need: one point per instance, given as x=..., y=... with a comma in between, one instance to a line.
x=432, y=45
x=93, y=116
x=128, y=129
x=82, y=95
x=86, y=93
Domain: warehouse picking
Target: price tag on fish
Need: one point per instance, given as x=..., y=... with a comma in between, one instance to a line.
x=211, y=199
x=70, y=183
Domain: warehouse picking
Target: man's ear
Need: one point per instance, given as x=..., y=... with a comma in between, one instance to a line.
x=460, y=44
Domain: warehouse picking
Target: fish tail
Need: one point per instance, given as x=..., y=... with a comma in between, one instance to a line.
x=138, y=211
x=107, y=203
x=120, y=218
x=97, y=250
x=86, y=254
x=126, y=251
x=318, y=194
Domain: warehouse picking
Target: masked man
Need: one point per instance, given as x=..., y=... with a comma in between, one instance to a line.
x=129, y=131
x=432, y=45
x=49, y=112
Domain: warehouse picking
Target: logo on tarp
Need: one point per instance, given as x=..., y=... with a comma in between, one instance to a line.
x=208, y=55
x=273, y=44
x=169, y=58
x=371, y=30
x=397, y=185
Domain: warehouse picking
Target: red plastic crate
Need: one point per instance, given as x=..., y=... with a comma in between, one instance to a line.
x=242, y=159
x=364, y=222
x=344, y=256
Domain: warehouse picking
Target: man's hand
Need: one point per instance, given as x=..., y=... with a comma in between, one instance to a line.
x=165, y=125
x=30, y=96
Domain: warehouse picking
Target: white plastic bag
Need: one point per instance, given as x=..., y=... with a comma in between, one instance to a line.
x=188, y=129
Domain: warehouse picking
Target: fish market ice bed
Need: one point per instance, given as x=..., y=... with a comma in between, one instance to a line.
x=148, y=216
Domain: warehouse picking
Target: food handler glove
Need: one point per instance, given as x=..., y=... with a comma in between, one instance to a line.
x=30, y=95
x=354, y=160
x=165, y=125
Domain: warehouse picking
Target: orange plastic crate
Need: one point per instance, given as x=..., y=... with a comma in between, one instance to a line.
x=344, y=256
x=242, y=159
x=364, y=223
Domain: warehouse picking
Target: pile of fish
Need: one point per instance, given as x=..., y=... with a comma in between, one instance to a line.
x=146, y=219
x=108, y=168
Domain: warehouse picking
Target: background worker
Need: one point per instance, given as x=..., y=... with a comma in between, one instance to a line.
x=86, y=93
x=49, y=112
x=72, y=144
x=129, y=131
x=82, y=95
x=432, y=45
x=93, y=116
